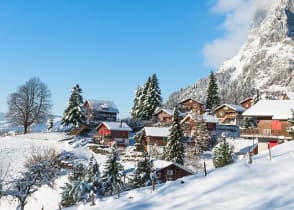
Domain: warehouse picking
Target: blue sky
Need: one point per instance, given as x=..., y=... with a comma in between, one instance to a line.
x=108, y=47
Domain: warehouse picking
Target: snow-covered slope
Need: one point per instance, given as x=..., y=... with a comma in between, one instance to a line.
x=265, y=61
x=264, y=185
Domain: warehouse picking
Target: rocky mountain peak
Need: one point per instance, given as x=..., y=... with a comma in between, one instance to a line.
x=264, y=62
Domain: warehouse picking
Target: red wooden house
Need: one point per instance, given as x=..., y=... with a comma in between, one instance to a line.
x=113, y=132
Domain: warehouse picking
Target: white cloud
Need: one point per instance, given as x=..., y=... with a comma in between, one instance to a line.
x=238, y=18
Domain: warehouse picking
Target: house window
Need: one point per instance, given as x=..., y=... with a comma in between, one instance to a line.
x=266, y=131
x=221, y=113
x=170, y=172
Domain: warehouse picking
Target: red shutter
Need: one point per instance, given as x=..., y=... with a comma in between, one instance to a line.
x=276, y=125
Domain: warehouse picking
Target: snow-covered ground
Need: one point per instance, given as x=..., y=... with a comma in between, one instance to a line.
x=266, y=184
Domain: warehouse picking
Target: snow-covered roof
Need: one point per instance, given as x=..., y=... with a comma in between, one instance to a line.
x=277, y=109
x=157, y=131
x=103, y=105
x=168, y=111
x=205, y=117
x=115, y=126
x=246, y=99
x=160, y=164
x=198, y=101
x=235, y=107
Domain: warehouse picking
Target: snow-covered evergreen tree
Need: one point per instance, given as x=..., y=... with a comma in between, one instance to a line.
x=141, y=175
x=212, y=93
x=147, y=99
x=135, y=112
x=201, y=136
x=153, y=98
x=174, y=149
x=74, y=113
x=222, y=154
x=82, y=182
x=112, y=176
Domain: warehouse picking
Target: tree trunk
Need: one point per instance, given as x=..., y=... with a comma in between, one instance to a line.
x=25, y=128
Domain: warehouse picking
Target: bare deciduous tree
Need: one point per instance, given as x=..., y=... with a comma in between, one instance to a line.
x=30, y=104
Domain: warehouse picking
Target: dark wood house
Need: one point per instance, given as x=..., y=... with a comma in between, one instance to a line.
x=230, y=114
x=169, y=171
x=247, y=103
x=100, y=110
x=113, y=132
x=192, y=105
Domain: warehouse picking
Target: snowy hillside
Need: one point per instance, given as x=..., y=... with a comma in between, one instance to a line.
x=265, y=61
x=263, y=185
x=266, y=184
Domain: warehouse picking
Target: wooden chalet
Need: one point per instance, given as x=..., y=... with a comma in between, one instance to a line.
x=192, y=105
x=247, y=103
x=191, y=120
x=272, y=122
x=230, y=114
x=169, y=171
x=154, y=139
x=164, y=116
x=100, y=110
x=113, y=132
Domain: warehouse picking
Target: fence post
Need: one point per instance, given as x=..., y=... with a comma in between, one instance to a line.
x=269, y=151
x=205, y=171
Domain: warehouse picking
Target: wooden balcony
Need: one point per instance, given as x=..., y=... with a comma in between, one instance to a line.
x=255, y=132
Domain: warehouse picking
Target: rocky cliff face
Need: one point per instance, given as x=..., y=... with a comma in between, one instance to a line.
x=264, y=62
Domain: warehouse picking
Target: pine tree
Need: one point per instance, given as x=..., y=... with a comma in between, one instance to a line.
x=112, y=176
x=257, y=97
x=74, y=113
x=174, y=149
x=222, y=154
x=82, y=182
x=201, y=136
x=291, y=120
x=212, y=93
x=153, y=98
x=135, y=113
x=147, y=99
x=141, y=176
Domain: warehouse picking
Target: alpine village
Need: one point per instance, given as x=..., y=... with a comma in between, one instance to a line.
x=225, y=142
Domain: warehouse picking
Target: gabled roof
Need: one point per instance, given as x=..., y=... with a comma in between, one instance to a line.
x=277, y=109
x=246, y=99
x=168, y=111
x=198, y=101
x=160, y=164
x=205, y=117
x=115, y=126
x=102, y=105
x=235, y=107
x=157, y=131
